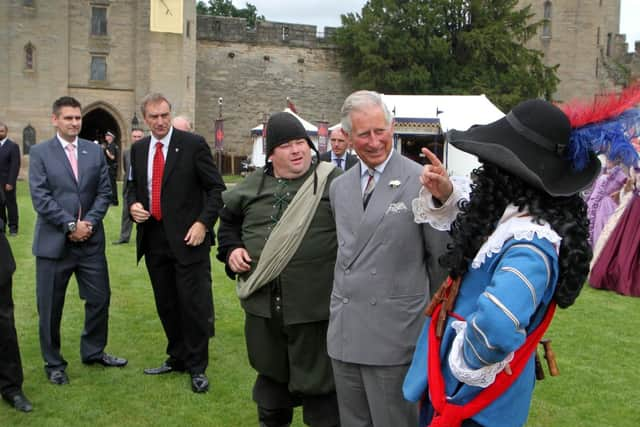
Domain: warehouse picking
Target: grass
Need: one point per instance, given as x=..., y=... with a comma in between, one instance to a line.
x=595, y=343
x=232, y=179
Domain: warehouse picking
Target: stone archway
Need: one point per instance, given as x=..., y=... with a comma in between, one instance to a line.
x=98, y=121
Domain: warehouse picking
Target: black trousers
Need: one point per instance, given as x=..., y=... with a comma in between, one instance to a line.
x=113, y=173
x=293, y=369
x=9, y=211
x=10, y=364
x=126, y=224
x=184, y=300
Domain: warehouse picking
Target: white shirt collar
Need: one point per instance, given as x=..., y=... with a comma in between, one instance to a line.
x=64, y=142
x=165, y=139
x=334, y=156
x=2, y=141
x=379, y=169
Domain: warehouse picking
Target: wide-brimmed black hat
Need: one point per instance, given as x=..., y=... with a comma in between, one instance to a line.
x=284, y=127
x=530, y=142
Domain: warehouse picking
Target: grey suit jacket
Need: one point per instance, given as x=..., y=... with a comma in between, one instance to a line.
x=58, y=199
x=385, y=266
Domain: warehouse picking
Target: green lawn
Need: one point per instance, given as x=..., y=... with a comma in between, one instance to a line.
x=595, y=343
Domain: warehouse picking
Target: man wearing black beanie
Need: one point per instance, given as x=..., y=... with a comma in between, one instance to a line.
x=277, y=235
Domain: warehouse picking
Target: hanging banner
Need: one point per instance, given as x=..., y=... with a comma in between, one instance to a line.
x=218, y=132
x=264, y=138
x=323, y=136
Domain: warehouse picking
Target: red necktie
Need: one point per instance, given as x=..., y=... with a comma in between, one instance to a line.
x=156, y=182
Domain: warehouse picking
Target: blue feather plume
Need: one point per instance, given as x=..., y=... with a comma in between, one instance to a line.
x=611, y=137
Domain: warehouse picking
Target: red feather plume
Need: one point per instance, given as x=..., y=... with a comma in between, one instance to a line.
x=604, y=107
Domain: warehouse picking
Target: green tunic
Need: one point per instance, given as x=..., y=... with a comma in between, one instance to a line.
x=307, y=280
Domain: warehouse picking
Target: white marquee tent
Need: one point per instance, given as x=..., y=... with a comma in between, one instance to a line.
x=455, y=112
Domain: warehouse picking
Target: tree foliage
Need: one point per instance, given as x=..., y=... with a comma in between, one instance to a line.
x=226, y=8
x=445, y=47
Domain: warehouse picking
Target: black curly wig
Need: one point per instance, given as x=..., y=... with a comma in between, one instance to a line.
x=493, y=189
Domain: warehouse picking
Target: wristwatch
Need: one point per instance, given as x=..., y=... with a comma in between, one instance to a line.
x=72, y=227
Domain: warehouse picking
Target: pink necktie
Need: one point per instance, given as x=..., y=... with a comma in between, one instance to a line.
x=71, y=155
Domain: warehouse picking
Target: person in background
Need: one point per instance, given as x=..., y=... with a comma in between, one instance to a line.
x=126, y=224
x=182, y=123
x=9, y=169
x=339, y=155
x=111, y=152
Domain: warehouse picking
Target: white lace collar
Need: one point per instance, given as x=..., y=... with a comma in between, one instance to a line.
x=517, y=225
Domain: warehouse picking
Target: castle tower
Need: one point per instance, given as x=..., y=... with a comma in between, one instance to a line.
x=101, y=52
x=580, y=36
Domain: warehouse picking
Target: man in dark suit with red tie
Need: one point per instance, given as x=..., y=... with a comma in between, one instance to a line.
x=174, y=195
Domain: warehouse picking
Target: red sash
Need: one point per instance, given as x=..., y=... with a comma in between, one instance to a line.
x=450, y=415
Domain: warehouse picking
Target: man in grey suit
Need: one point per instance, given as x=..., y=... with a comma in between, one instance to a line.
x=385, y=266
x=339, y=155
x=70, y=191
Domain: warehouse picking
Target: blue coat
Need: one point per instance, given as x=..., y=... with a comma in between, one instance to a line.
x=502, y=301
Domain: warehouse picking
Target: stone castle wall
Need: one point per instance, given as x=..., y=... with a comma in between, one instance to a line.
x=254, y=71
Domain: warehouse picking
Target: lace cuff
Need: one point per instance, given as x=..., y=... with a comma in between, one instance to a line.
x=482, y=377
x=440, y=218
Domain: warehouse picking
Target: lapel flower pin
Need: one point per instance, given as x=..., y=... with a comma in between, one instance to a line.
x=394, y=183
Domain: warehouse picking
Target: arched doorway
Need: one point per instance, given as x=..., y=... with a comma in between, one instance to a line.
x=98, y=121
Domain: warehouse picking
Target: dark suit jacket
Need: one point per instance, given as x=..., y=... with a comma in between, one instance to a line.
x=58, y=198
x=9, y=162
x=191, y=191
x=351, y=159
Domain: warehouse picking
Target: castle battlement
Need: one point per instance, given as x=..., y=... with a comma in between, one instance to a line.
x=228, y=29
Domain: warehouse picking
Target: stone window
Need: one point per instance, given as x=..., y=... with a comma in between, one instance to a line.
x=547, y=10
x=28, y=138
x=29, y=57
x=98, y=68
x=98, y=21
x=546, y=21
x=188, y=29
x=609, y=42
x=29, y=3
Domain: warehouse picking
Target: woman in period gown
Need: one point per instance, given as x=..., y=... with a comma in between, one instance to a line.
x=616, y=261
x=601, y=202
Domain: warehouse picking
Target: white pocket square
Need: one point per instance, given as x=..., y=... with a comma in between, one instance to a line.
x=396, y=208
